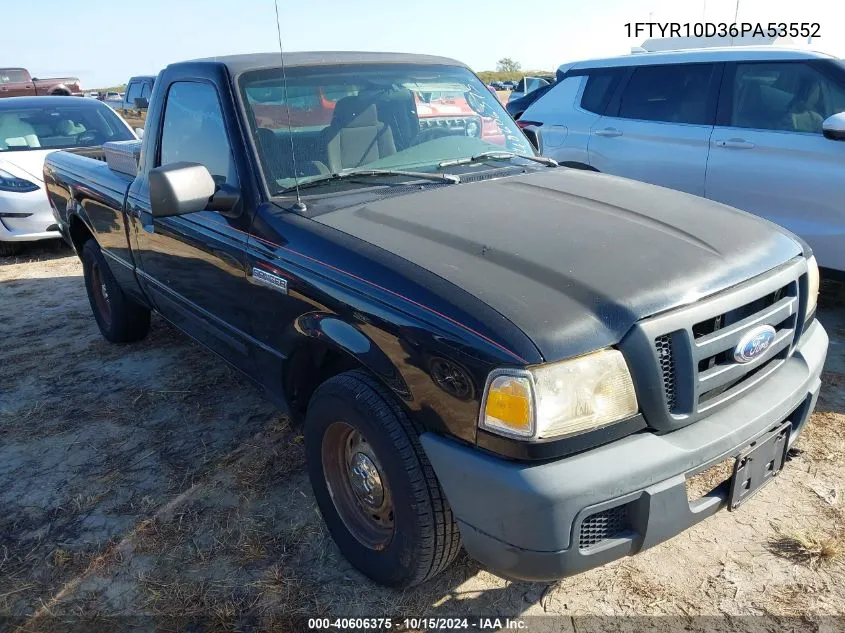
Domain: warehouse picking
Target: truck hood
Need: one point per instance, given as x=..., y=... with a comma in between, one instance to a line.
x=572, y=258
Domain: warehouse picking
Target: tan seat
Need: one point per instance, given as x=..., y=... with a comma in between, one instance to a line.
x=356, y=136
x=16, y=133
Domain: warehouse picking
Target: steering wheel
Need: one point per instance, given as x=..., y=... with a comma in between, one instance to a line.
x=89, y=136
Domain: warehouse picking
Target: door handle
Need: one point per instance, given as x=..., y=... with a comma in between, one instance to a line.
x=609, y=132
x=735, y=143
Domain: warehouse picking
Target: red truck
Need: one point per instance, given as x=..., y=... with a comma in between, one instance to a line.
x=438, y=107
x=17, y=82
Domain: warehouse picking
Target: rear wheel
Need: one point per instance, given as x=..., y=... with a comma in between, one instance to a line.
x=7, y=249
x=120, y=319
x=374, y=485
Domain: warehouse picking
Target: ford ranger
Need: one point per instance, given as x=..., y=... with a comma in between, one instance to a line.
x=485, y=349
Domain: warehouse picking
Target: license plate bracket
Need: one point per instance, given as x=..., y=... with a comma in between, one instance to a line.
x=758, y=464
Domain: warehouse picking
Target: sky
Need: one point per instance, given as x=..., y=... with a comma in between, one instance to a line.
x=104, y=42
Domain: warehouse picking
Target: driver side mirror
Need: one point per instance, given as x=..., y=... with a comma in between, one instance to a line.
x=142, y=103
x=180, y=188
x=834, y=127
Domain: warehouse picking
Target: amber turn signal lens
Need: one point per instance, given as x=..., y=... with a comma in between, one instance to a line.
x=508, y=407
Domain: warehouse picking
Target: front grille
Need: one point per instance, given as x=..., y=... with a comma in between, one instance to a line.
x=663, y=345
x=695, y=351
x=603, y=525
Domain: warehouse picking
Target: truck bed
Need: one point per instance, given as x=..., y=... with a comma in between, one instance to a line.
x=82, y=186
x=86, y=171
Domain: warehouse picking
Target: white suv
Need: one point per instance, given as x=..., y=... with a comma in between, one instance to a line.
x=761, y=129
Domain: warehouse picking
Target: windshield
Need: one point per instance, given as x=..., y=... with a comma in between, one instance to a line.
x=396, y=116
x=59, y=126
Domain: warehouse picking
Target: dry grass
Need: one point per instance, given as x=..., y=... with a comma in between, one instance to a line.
x=170, y=496
x=824, y=438
x=809, y=547
x=702, y=483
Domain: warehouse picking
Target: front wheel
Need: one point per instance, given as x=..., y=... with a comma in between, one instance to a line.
x=374, y=485
x=120, y=319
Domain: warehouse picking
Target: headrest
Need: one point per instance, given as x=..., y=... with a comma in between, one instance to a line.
x=354, y=112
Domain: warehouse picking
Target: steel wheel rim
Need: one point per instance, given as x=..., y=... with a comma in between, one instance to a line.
x=357, y=486
x=101, y=293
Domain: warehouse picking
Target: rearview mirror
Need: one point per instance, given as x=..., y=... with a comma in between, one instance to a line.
x=834, y=127
x=180, y=188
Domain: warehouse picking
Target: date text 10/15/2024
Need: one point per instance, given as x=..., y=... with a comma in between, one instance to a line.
x=438, y=624
x=807, y=30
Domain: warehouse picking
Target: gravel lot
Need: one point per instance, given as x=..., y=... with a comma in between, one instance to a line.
x=152, y=480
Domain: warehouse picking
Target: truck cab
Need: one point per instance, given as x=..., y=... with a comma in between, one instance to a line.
x=136, y=101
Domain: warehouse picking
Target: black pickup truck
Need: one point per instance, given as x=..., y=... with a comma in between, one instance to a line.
x=484, y=348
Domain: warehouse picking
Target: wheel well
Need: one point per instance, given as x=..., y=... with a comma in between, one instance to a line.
x=79, y=234
x=310, y=366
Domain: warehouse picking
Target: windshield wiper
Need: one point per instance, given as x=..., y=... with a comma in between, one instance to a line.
x=496, y=155
x=358, y=173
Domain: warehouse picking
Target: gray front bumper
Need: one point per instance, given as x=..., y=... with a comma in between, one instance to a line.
x=523, y=519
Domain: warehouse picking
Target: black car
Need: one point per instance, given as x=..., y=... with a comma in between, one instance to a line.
x=484, y=349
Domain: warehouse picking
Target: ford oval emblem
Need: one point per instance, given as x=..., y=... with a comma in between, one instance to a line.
x=754, y=343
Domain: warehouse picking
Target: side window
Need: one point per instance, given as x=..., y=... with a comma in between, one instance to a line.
x=194, y=130
x=600, y=85
x=133, y=90
x=554, y=107
x=785, y=96
x=145, y=91
x=13, y=75
x=674, y=93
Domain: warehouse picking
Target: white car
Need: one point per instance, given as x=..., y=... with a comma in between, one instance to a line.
x=757, y=128
x=31, y=128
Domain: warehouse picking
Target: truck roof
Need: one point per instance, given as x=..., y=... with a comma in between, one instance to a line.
x=722, y=54
x=255, y=61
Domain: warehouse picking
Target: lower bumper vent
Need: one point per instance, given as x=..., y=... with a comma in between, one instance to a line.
x=603, y=525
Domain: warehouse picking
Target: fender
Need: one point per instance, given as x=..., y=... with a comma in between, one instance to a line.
x=339, y=335
x=75, y=213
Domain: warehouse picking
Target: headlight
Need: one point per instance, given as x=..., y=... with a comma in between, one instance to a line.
x=812, y=286
x=10, y=182
x=559, y=399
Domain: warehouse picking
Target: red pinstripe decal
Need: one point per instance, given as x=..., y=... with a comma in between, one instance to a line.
x=382, y=288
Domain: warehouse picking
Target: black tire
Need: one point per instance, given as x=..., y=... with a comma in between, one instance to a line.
x=425, y=539
x=7, y=249
x=120, y=319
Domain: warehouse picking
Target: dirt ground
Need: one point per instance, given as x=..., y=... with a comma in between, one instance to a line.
x=152, y=481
